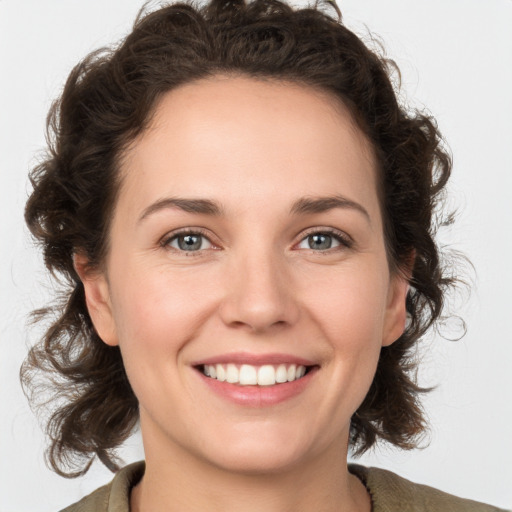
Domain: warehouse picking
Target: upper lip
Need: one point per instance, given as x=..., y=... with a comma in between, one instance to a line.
x=254, y=359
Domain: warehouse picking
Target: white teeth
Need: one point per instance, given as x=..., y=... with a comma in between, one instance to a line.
x=281, y=374
x=266, y=375
x=249, y=375
x=232, y=374
x=291, y=373
x=221, y=373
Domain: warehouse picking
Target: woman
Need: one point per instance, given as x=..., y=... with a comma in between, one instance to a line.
x=244, y=214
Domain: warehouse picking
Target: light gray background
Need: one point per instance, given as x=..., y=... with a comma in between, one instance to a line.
x=456, y=58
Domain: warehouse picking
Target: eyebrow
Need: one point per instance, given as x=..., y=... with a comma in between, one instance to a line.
x=201, y=206
x=312, y=205
x=303, y=206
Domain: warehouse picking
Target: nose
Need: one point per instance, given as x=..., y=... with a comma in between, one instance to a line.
x=259, y=293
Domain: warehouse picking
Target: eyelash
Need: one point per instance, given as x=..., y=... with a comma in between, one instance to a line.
x=166, y=240
x=344, y=240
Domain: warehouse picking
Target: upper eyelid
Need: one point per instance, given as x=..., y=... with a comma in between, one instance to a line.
x=345, y=237
x=186, y=231
x=164, y=241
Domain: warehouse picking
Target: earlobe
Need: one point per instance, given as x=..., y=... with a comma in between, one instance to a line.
x=97, y=298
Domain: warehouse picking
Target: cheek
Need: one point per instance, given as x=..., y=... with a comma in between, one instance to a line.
x=157, y=310
x=156, y=318
x=350, y=311
x=350, y=307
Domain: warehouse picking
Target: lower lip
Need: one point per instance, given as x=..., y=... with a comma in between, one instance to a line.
x=258, y=396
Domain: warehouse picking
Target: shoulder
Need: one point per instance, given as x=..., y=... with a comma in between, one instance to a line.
x=113, y=497
x=391, y=492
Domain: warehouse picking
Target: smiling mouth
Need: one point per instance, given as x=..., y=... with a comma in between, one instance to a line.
x=249, y=375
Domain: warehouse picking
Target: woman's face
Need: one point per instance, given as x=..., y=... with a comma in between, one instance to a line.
x=247, y=243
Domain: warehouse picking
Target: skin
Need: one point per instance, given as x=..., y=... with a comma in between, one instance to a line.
x=254, y=286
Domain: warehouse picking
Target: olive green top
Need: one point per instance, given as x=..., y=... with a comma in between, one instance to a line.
x=389, y=492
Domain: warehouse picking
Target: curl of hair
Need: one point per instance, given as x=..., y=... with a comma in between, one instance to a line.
x=109, y=99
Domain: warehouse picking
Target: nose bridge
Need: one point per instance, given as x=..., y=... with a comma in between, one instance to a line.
x=258, y=294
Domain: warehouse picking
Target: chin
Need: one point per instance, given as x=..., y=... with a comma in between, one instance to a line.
x=260, y=462
x=253, y=454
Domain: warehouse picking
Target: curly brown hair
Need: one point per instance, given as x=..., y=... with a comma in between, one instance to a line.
x=109, y=99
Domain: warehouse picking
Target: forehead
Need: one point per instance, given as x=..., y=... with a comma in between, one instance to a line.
x=261, y=136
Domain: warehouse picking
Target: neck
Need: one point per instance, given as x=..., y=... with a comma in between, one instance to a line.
x=182, y=482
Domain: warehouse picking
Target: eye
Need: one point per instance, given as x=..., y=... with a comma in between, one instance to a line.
x=188, y=242
x=323, y=241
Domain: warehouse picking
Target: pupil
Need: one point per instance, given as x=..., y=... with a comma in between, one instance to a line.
x=189, y=242
x=320, y=241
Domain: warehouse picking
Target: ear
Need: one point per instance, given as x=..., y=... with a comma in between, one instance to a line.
x=396, y=313
x=97, y=298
